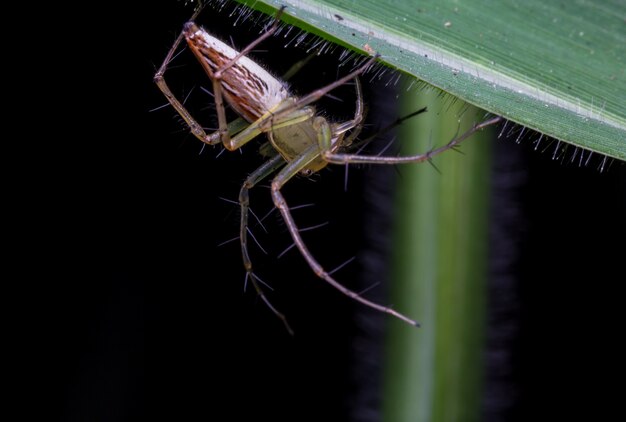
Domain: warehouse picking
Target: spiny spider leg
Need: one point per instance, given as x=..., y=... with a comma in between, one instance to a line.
x=342, y=158
x=356, y=123
x=319, y=93
x=295, y=166
x=255, y=177
x=288, y=172
x=159, y=79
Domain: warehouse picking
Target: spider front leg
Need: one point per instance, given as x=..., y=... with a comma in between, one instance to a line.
x=289, y=171
x=159, y=78
x=207, y=49
x=196, y=129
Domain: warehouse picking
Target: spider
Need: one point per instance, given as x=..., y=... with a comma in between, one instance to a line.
x=300, y=140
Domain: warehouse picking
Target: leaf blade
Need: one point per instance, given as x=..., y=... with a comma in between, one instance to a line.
x=555, y=67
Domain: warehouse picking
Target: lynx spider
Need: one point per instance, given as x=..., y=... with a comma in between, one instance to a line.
x=303, y=142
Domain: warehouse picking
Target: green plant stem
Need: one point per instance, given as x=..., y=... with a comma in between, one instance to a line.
x=440, y=260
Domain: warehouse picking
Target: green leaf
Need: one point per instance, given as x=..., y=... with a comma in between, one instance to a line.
x=557, y=67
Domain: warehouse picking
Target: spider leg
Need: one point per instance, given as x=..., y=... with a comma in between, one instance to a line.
x=359, y=112
x=341, y=158
x=255, y=177
x=159, y=78
x=319, y=93
x=288, y=172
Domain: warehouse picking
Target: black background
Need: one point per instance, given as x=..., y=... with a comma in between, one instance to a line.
x=133, y=312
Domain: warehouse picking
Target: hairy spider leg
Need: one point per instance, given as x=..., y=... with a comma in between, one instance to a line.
x=342, y=158
x=266, y=169
x=288, y=172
